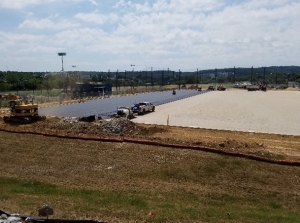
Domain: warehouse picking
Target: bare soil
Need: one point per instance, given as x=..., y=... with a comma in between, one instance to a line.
x=156, y=172
x=272, y=146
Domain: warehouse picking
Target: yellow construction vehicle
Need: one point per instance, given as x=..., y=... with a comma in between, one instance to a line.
x=19, y=110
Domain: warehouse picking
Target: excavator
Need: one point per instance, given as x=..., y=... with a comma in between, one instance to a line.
x=19, y=111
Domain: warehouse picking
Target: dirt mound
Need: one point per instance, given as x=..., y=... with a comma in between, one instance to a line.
x=192, y=87
x=292, y=89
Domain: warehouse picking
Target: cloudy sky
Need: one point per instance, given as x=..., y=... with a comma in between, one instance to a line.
x=98, y=35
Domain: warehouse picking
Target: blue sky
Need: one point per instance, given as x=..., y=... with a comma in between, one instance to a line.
x=98, y=35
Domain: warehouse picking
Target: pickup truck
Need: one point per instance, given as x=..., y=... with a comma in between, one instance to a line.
x=143, y=107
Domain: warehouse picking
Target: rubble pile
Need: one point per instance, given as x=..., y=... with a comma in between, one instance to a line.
x=118, y=125
x=100, y=126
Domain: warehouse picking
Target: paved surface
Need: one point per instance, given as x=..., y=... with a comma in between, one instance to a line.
x=267, y=112
x=108, y=106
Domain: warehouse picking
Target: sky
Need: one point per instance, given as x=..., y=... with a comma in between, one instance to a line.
x=102, y=35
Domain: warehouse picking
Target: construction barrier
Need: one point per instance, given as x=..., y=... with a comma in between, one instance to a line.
x=156, y=143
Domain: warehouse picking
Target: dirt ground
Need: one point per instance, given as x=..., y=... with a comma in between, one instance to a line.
x=131, y=167
x=272, y=146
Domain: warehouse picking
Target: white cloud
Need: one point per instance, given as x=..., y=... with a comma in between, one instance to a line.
x=166, y=33
x=47, y=24
x=120, y=3
x=19, y=4
x=93, y=2
x=97, y=18
x=195, y=5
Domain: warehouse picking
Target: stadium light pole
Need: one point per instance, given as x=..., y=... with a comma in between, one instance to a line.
x=264, y=75
x=124, y=80
x=117, y=74
x=179, y=73
x=152, y=78
x=162, y=79
x=197, y=77
x=62, y=54
x=132, y=65
x=252, y=75
x=215, y=78
x=146, y=79
x=234, y=74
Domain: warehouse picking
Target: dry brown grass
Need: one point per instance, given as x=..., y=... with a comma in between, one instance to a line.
x=194, y=186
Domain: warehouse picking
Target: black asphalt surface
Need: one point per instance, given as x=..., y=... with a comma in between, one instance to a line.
x=108, y=106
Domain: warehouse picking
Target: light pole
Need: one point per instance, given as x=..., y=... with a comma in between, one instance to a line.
x=152, y=78
x=197, y=77
x=179, y=74
x=215, y=78
x=132, y=65
x=162, y=80
x=117, y=81
x=62, y=54
x=252, y=75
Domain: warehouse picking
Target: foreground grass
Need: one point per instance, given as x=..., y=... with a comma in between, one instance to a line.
x=179, y=206
x=122, y=182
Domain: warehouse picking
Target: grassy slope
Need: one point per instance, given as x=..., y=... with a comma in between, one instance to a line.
x=123, y=182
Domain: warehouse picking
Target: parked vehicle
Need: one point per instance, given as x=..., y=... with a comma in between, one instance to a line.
x=221, y=88
x=143, y=107
x=125, y=112
x=20, y=111
x=135, y=108
x=261, y=87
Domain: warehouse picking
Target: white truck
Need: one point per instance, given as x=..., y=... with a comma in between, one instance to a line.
x=143, y=107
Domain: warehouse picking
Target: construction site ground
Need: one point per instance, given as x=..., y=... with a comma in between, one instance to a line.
x=131, y=167
x=282, y=147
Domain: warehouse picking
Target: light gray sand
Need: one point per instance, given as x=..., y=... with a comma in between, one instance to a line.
x=268, y=112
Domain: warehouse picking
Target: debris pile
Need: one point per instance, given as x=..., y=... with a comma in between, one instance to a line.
x=118, y=125
x=113, y=125
x=65, y=123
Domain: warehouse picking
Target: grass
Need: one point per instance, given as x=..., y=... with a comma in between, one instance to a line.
x=189, y=186
x=180, y=205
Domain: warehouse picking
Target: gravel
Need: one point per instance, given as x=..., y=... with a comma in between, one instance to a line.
x=276, y=112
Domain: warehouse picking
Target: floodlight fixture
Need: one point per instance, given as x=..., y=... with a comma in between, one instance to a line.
x=62, y=54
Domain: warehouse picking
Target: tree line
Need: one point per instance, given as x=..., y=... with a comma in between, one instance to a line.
x=18, y=81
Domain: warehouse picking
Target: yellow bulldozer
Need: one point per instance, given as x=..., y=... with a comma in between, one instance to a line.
x=19, y=110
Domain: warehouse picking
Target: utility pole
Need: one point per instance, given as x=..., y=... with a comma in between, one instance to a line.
x=234, y=74
x=117, y=81
x=162, y=79
x=251, y=74
x=152, y=77
x=125, y=80
x=179, y=79
x=146, y=79
x=215, y=78
x=168, y=79
x=197, y=77
x=173, y=80
x=132, y=65
x=264, y=75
